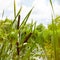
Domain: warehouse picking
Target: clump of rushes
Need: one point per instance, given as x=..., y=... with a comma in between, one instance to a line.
x=9, y=49
x=26, y=38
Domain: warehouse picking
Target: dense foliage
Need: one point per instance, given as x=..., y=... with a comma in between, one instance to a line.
x=23, y=41
x=33, y=41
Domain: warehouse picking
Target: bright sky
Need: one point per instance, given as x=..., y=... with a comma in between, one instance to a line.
x=41, y=12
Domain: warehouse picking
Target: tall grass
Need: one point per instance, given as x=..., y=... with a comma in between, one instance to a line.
x=22, y=41
x=55, y=40
x=10, y=48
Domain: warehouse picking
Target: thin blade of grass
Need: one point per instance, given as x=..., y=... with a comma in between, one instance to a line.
x=2, y=13
x=34, y=27
x=14, y=9
x=26, y=18
x=52, y=6
x=17, y=15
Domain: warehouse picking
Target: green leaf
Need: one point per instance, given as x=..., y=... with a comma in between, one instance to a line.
x=52, y=6
x=26, y=18
x=17, y=15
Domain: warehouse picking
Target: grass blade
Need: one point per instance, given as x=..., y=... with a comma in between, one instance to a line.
x=52, y=6
x=17, y=15
x=26, y=18
x=14, y=9
x=2, y=13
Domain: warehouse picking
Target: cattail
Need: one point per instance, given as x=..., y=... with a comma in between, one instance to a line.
x=18, y=22
x=17, y=43
x=18, y=50
x=27, y=37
